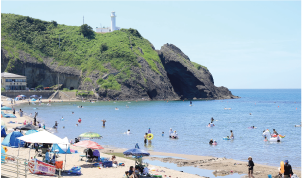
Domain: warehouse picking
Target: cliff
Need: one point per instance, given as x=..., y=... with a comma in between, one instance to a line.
x=118, y=65
x=190, y=80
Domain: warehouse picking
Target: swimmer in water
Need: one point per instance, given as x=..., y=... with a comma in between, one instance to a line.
x=211, y=141
x=162, y=134
x=103, y=122
x=208, y=124
x=212, y=120
x=116, y=108
x=128, y=132
x=77, y=125
x=72, y=112
x=62, y=118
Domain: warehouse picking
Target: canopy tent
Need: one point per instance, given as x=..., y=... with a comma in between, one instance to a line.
x=3, y=133
x=42, y=137
x=30, y=132
x=23, y=96
x=90, y=135
x=33, y=99
x=34, y=96
x=6, y=108
x=89, y=144
x=11, y=139
x=3, y=123
x=63, y=148
x=27, y=127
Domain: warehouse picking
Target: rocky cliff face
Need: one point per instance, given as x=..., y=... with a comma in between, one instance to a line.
x=179, y=79
x=188, y=81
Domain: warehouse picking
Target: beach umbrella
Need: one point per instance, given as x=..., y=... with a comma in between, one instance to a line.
x=27, y=127
x=42, y=137
x=136, y=152
x=30, y=132
x=19, y=96
x=89, y=144
x=6, y=108
x=90, y=135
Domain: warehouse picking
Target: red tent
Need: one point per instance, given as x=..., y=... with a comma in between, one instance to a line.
x=89, y=144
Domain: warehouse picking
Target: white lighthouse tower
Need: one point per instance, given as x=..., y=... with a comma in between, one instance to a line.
x=113, y=25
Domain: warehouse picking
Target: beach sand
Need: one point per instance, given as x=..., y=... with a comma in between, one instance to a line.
x=220, y=166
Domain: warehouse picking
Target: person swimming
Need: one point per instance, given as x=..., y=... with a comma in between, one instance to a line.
x=128, y=132
x=175, y=135
x=212, y=120
x=162, y=134
x=211, y=141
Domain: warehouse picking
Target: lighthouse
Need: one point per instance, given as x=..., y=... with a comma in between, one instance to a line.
x=113, y=18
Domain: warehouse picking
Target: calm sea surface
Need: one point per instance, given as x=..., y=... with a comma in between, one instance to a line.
x=270, y=109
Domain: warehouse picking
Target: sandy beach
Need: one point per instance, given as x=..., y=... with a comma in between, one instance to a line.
x=220, y=166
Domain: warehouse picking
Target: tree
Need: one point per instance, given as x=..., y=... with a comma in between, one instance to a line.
x=87, y=31
x=103, y=47
x=54, y=23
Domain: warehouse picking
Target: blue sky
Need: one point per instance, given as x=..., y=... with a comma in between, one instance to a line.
x=244, y=44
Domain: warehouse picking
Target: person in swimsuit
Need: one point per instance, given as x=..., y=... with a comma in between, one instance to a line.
x=231, y=134
x=275, y=132
x=103, y=122
x=212, y=120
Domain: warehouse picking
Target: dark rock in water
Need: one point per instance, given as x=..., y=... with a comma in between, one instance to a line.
x=188, y=81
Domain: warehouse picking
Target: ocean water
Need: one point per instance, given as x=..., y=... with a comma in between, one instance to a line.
x=270, y=109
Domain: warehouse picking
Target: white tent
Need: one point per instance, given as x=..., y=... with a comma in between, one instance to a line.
x=42, y=137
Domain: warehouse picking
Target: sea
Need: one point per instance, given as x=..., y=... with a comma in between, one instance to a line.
x=278, y=109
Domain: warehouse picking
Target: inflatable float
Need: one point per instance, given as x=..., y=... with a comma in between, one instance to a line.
x=116, y=109
x=274, y=135
x=270, y=138
x=225, y=138
x=215, y=143
x=210, y=125
x=150, y=136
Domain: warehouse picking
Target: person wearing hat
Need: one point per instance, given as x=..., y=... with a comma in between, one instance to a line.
x=250, y=167
x=287, y=170
x=211, y=141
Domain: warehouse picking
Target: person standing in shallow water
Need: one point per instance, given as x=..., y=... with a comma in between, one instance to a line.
x=231, y=134
x=250, y=167
x=145, y=138
x=103, y=122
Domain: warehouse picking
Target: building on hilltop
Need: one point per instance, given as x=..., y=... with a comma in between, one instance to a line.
x=13, y=81
x=109, y=29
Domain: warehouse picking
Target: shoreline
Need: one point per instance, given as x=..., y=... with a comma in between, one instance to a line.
x=203, y=162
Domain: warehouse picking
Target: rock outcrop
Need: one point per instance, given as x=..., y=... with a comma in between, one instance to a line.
x=187, y=80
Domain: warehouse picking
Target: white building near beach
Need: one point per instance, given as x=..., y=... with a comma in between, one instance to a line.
x=113, y=26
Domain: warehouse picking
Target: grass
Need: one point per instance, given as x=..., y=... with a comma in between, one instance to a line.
x=198, y=66
x=40, y=39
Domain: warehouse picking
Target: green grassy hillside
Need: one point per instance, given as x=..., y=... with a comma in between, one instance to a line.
x=41, y=39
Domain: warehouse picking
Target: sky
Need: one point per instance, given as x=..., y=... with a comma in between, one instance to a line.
x=244, y=44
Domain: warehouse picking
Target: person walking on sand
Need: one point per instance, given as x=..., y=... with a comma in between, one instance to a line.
x=287, y=170
x=250, y=167
x=103, y=122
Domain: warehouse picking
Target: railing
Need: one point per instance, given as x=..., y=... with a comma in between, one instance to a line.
x=13, y=166
x=30, y=90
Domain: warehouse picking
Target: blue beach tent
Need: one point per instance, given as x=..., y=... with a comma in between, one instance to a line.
x=3, y=133
x=11, y=140
x=33, y=99
x=62, y=148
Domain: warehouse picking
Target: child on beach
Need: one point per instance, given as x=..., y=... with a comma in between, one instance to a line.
x=250, y=167
x=126, y=174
